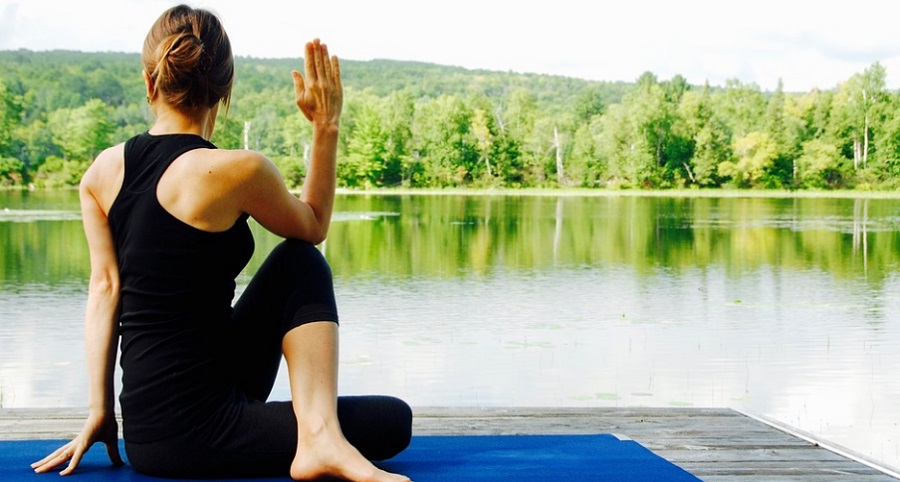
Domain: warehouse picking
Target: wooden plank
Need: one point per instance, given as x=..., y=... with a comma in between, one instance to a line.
x=716, y=445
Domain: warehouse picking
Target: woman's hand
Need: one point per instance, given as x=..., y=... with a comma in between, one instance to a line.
x=97, y=428
x=320, y=95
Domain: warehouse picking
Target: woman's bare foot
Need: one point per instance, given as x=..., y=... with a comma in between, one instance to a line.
x=329, y=455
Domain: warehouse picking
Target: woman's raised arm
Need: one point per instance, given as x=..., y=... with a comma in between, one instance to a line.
x=320, y=97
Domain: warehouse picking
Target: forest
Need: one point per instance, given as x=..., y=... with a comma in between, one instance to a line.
x=419, y=125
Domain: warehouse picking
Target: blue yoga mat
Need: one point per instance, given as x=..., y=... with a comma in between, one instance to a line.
x=522, y=458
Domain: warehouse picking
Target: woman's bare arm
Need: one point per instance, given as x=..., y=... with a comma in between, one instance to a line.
x=320, y=97
x=101, y=336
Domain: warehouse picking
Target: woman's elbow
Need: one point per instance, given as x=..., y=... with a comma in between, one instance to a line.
x=105, y=285
x=314, y=230
x=317, y=236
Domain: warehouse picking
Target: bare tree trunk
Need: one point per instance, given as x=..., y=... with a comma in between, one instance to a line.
x=857, y=154
x=247, y=135
x=560, y=176
x=659, y=145
x=690, y=174
x=865, y=155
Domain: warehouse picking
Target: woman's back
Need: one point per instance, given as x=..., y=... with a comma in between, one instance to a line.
x=177, y=287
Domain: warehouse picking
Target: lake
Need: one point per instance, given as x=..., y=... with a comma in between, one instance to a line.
x=785, y=307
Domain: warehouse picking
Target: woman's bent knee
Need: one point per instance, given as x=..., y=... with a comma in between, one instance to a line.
x=380, y=427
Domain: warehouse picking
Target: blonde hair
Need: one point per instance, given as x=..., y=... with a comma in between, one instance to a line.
x=188, y=57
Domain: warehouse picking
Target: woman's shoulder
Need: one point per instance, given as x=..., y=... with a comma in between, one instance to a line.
x=236, y=165
x=108, y=164
x=111, y=159
x=111, y=154
x=103, y=178
x=227, y=175
x=237, y=157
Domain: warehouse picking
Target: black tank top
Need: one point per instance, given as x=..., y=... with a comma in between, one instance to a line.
x=177, y=285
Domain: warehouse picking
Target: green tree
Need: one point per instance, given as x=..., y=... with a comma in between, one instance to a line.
x=484, y=141
x=590, y=102
x=444, y=143
x=81, y=133
x=652, y=139
x=782, y=168
x=292, y=159
x=741, y=108
x=820, y=165
x=627, y=155
x=756, y=154
x=10, y=115
x=858, y=111
x=816, y=111
x=11, y=171
x=229, y=132
x=399, y=112
x=517, y=120
x=366, y=144
x=57, y=172
x=585, y=167
x=35, y=146
x=651, y=110
x=709, y=143
x=886, y=159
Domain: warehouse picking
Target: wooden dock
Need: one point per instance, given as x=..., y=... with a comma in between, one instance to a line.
x=716, y=445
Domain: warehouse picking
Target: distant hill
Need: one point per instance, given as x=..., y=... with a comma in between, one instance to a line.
x=115, y=78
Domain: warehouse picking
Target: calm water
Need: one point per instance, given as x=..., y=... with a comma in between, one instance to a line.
x=784, y=307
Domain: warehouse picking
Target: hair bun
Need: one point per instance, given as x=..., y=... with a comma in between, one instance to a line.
x=181, y=52
x=191, y=73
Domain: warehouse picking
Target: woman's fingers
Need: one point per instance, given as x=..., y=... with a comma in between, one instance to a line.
x=326, y=63
x=95, y=429
x=300, y=94
x=55, y=458
x=336, y=72
x=310, y=62
x=318, y=92
x=75, y=460
x=321, y=74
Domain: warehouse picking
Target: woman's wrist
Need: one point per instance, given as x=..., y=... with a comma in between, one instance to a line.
x=101, y=413
x=101, y=407
x=327, y=128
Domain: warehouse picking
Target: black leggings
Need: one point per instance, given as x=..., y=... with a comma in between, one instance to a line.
x=250, y=437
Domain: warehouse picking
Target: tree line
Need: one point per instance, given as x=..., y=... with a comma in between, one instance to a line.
x=410, y=124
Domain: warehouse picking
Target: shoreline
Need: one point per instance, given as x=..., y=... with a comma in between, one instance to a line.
x=580, y=192
x=658, y=193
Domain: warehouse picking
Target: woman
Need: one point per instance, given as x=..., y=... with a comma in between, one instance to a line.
x=165, y=216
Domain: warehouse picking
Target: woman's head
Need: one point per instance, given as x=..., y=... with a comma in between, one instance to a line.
x=187, y=56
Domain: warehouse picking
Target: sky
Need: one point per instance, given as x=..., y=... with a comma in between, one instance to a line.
x=806, y=44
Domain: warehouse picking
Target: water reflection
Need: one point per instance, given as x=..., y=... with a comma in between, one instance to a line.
x=787, y=307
